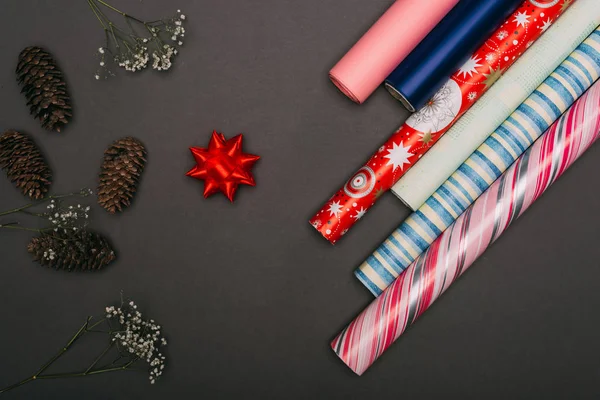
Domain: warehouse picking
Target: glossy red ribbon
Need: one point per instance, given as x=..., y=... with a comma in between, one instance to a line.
x=222, y=166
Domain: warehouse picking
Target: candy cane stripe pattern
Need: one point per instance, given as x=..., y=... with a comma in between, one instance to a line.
x=575, y=75
x=384, y=321
x=423, y=129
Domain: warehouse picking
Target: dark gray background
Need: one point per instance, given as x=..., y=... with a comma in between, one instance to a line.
x=248, y=294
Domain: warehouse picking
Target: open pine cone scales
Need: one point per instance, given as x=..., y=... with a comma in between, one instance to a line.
x=44, y=87
x=121, y=171
x=72, y=250
x=24, y=164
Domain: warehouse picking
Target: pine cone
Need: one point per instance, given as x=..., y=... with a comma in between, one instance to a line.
x=45, y=88
x=72, y=250
x=121, y=170
x=24, y=164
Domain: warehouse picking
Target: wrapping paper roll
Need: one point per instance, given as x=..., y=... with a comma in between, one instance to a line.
x=403, y=26
x=424, y=128
x=365, y=339
x=446, y=48
x=500, y=150
x=498, y=103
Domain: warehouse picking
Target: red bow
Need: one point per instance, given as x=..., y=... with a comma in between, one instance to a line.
x=223, y=166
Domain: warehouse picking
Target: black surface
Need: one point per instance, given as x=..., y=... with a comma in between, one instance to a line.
x=249, y=296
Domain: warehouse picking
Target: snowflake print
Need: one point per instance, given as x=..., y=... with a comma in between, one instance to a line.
x=437, y=109
x=317, y=224
x=502, y=35
x=472, y=96
x=490, y=58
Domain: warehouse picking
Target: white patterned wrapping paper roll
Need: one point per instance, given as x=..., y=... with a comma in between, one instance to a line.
x=471, y=130
x=575, y=75
x=384, y=321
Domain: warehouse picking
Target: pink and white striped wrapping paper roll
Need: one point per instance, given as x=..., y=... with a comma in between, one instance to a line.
x=384, y=321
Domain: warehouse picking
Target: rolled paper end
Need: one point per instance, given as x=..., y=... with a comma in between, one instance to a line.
x=336, y=346
x=323, y=230
x=403, y=200
x=337, y=81
x=366, y=280
x=400, y=97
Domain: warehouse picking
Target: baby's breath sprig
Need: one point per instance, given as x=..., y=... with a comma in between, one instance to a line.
x=133, y=340
x=58, y=212
x=131, y=48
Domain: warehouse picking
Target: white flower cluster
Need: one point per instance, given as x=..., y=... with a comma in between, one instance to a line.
x=176, y=29
x=71, y=217
x=162, y=60
x=135, y=60
x=138, y=337
x=49, y=255
x=133, y=52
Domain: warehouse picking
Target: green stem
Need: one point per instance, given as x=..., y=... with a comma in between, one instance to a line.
x=34, y=213
x=97, y=360
x=112, y=31
x=88, y=373
x=13, y=225
x=95, y=324
x=105, y=4
x=93, y=7
x=16, y=210
x=16, y=385
x=19, y=209
x=111, y=7
x=44, y=367
x=62, y=351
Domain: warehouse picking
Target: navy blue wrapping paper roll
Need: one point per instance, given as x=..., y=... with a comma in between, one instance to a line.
x=464, y=29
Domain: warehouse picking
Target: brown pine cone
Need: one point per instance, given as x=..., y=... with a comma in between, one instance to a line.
x=121, y=171
x=44, y=87
x=24, y=164
x=72, y=250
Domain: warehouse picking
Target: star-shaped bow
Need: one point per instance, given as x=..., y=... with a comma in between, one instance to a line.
x=223, y=166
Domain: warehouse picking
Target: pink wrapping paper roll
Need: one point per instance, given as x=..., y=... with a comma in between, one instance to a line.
x=401, y=304
x=386, y=44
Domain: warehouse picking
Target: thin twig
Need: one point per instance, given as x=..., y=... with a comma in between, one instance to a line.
x=92, y=6
x=99, y=357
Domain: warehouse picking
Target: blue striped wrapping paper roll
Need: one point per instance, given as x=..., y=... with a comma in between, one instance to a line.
x=558, y=92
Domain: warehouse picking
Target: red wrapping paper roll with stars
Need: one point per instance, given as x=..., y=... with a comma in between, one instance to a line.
x=425, y=127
